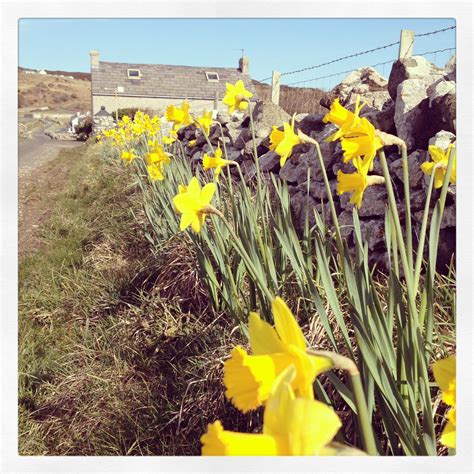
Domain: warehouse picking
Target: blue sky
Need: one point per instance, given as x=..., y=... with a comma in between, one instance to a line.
x=281, y=44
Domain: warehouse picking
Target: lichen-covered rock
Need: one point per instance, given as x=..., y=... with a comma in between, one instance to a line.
x=450, y=69
x=311, y=123
x=265, y=115
x=365, y=82
x=410, y=93
x=442, y=139
x=444, y=109
x=415, y=67
x=374, y=202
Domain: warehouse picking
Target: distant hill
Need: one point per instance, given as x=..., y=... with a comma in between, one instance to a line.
x=294, y=99
x=86, y=76
x=55, y=92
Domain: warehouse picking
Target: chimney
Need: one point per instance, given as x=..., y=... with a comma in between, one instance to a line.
x=244, y=65
x=94, y=59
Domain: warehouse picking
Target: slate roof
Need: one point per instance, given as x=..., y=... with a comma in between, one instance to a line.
x=165, y=81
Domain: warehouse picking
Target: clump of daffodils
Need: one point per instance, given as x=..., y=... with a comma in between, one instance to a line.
x=360, y=143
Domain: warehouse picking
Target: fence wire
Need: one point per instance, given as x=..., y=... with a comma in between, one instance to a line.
x=361, y=53
x=390, y=61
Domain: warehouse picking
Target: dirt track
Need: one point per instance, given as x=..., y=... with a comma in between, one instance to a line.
x=39, y=181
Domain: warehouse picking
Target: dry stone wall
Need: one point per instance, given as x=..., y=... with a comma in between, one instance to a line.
x=416, y=103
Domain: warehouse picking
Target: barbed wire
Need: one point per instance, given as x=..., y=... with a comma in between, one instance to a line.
x=379, y=48
x=435, y=32
x=372, y=65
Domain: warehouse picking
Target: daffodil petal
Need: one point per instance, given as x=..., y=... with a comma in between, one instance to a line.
x=286, y=325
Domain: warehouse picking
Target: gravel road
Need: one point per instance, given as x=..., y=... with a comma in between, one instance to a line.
x=39, y=149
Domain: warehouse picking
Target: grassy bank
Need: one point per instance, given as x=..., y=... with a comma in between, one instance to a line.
x=116, y=357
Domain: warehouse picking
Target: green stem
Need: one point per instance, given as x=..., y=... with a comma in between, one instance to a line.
x=406, y=188
x=246, y=257
x=424, y=224
x=348, y=365
x=339, y=243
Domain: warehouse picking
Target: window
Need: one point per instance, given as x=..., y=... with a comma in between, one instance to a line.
x=134, y=73
x=212, y=77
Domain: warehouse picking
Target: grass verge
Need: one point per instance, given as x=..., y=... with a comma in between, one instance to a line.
x=113, y=359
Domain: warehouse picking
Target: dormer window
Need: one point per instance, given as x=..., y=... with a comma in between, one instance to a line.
x=134, y=73
x=212, y=77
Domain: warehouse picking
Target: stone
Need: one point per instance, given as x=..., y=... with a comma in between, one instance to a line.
x=415, y=67
x=410, y=115
x=270, y=161
x=444, y=110
x=450, y=69
x=442, y=139
x=296, y=167
x=244, y=136
x=439, y=88
x=318, y=190
x=448, y=220
x=382, y=119
x=366, y=82
x=374, y=202
x=311, y=123
x=415, y=175
x=248, y=147
x=265, y=115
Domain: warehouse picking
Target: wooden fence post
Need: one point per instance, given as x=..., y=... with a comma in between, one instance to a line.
x=407, y=38
x=276, y=87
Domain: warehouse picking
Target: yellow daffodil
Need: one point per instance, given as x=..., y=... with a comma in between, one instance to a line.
x=282, y=142
x=236, y=96
x=291, y=427
x=180, y=116
x=156, y=158
x=341, y=117
x=128, y=156
x=444, y=372
x=439, y=165
x=194, y=204
x=192, y=143
x=215, y=162
x=357, y=182
x=249, y=378
x=171, y=138
x=361, y=142
x=206, y=121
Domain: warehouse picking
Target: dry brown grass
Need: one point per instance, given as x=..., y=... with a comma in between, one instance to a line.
x=294, y=100
x=35, y=90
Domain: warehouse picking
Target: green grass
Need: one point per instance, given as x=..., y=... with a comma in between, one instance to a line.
x=114, y=356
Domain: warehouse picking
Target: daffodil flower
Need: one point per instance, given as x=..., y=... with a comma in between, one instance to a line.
x=215, y=162
x=194, y=204
x=156, y=158
x=282, y=142
x=361, y=142
x=179, y=116
x=249, y=378
x=236, y=96
x=439, y=165
x=291, y=427
x=206, y=121
x=341, y=117
x=171, y=138
x=128, y=156
x=444, y=372
x=357, y=182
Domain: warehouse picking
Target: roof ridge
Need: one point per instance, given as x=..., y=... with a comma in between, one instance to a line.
x=171, y=65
